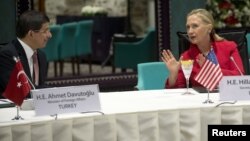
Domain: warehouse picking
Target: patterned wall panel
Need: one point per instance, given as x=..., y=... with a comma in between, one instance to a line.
x=162, y=24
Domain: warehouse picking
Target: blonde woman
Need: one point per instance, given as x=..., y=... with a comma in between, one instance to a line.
x=203, y=39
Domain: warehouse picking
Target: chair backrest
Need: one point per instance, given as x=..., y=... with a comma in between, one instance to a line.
x=129, y=54
x=84, y=37
x=152, y=75
x=238, y=36
x=67, y=44
x=51, y=48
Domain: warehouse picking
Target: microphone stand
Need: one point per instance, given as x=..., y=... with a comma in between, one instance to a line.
x=237, y=67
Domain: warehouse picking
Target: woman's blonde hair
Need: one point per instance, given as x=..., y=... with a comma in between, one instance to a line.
x=207, y=18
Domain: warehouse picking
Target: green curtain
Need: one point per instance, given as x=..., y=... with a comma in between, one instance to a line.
x=178, y=11
x=7, y=20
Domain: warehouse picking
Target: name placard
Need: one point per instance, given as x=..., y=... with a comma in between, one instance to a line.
x=235, y=88
x=71, y=99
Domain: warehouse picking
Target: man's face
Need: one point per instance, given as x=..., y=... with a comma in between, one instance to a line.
x=41, y=37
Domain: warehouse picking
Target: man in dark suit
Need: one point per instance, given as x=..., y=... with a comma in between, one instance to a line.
x=32, y=32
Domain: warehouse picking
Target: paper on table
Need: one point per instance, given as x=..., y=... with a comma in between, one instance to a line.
x=4, y=103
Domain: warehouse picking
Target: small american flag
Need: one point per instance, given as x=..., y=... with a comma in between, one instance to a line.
x=210, y=73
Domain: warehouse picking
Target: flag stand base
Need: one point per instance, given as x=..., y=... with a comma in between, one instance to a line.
x=208, y=101
x=17, y=117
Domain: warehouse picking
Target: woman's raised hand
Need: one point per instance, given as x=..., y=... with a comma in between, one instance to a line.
x=172, y=64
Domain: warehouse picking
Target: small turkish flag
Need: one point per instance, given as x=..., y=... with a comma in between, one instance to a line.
x=18, y=86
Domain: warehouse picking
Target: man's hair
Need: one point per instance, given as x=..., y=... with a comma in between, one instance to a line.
x=30, y=20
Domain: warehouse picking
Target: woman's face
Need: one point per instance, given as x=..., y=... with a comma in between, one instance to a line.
x=198, y=31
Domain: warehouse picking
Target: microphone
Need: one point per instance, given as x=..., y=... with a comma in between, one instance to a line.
x=236, y=65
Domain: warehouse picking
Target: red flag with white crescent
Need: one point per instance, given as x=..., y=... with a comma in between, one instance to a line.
x=18, y=86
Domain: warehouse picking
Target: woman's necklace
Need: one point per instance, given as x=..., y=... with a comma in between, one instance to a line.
x=207, y=52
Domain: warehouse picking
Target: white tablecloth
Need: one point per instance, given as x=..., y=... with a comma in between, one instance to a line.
x=158, y=115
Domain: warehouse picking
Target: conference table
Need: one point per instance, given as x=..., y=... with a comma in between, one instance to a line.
x=150, y=115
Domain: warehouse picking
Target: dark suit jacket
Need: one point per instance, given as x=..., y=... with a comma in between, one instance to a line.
x=7, y=63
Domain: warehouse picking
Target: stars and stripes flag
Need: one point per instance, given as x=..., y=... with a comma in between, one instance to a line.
x=18, y=86
x=210, y=74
